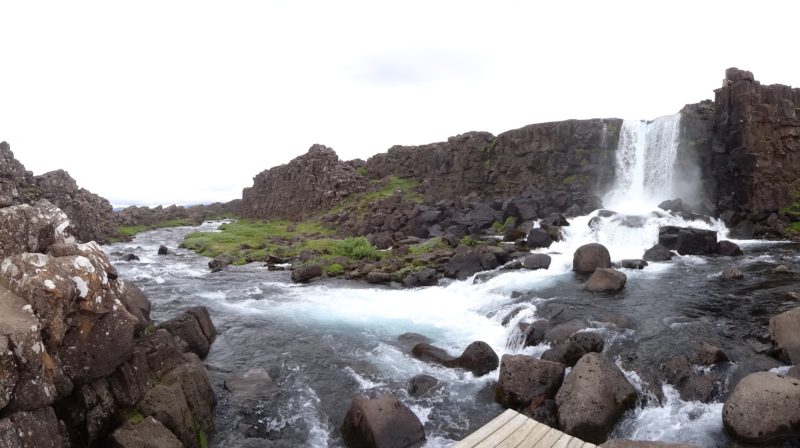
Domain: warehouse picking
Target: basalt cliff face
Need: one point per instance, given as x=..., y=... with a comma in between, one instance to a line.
x=738, y=156
x=91, y=216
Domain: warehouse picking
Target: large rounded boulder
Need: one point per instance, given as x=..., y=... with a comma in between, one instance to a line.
x=525, y=379
x=784, y=329
x=594, y=396
x=590, y=257
x=479, y=358
x=384, y=422
x=763, y=409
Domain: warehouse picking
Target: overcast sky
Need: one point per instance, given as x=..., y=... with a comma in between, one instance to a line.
x=185, y=101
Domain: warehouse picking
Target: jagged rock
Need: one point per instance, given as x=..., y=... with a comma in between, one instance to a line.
x=536, y=261
x=421, y=384
x=731, y=273
x=315, y=181
x=136, y=304
x=131, y=257
x=594, y=396
x=728, y=249
x=753, y=364
x=513, y=235
x=149, y=433
x=674, y=205
x=525, y=379
x=306, y=273
x=589, y=341
x=194, y=328
x=554, y=220
x=163, y=250
x=658, y=253
x=763, y=409
x=31, y=228
x=567, y=353
x=590, y=257
x=430, y=353
x=633, y=264
x=536, y=332
x=688, y=240
x=538, y=238
x=425, y=277
x=784, y=329
x=219, y=263
x=34, y=429
x=606, y=280
x=384, y=422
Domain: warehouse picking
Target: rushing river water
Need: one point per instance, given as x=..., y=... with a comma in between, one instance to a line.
x=324, y=342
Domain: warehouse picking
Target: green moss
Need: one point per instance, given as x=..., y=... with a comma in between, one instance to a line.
x=202, y=440
x=361, y=171
x=334, y=270
x=358, y=248
x=793, y=228
x=132, y=415
x=469, y=241
x=429, y=246
x=130, y=231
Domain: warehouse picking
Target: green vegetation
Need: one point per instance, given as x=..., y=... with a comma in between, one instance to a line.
x=429, y=246
x=575, y=178
x=355, y=249
x=132, y=415
x=129, y=231
x=501, y=227
x=361, y=171
x=793, y=228
x=202, y=440
x=469, y=241
x=393, y=184
x=334, y=270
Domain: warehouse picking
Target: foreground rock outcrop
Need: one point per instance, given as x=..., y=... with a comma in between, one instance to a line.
x=78, y=353
x=384, y=422
x=763, y=409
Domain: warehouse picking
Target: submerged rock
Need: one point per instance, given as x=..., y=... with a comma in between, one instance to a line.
x=688, y=240
x=590, y=257
x=731, y=273
x=658, y=253
x=384, y=422
x=606, y=280
x=163, y=250
x=539, y=238
x=253, y=385
x=421, y=384
x=478, y=357
x=728, y=248
x=763, y=409
x=219, y=263
x=633, y=264
x=594, y=396
x=536, y=261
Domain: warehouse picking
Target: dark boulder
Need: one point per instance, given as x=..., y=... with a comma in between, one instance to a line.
x=555, y=219
x=163, y=250
x=466, y=264
x=525, y=379
x=137, y=305
x=379, y=277
x=593, y=397
x=633, y=264
x=706, y=354
x=688, y=240
x=219, y=263
x=384, y=422
x=538, y=238
x=544, y=411
x=306, y=273
x=763, y=409
x=728, y=249
x=513, y=235
x=131, y=257
x=430, y=353
x=658, y=253
x=606, y=280
x=562, y=332
x=478, y=358
x=589, y=341
x=536, y=261
x=590, y=257
x=193, y=327
x=567, y=353
x=421, y=384
x=673, y=205
x=34, y=429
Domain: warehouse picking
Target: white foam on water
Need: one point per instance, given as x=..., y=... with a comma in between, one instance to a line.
x=363, y=383
x=675, y=420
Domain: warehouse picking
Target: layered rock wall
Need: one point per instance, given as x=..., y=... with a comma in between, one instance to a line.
x=313, y=182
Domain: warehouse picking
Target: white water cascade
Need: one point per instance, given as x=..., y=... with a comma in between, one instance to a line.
x=645, y=164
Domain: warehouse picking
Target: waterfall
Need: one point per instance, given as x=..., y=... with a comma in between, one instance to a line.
x=645, y=164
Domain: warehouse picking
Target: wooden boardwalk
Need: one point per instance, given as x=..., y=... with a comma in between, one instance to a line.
x=514, y=430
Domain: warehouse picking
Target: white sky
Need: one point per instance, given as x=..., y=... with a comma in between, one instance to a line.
x=185, y=101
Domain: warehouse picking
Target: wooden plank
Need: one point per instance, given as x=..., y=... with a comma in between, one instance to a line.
x=519, y=435
x=503, y=432
x=564, y=441
x=486, y=430
x=549, y=438
x=532, y=440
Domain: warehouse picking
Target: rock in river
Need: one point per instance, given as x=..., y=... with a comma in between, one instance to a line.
x=763, y=408
x=606, y=280
x=384, y=422
x=590, y=257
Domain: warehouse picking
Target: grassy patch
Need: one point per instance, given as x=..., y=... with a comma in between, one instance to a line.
x=355, y=249
x=334, y=270
x=130, y=231
x=202, y=440
x=429, y=246
x=132, y=415
x=793, y=228
x=469, y=241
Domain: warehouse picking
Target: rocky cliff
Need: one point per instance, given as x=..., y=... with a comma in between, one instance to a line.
x=310, y=183
x=91, y=216
x=135, y=216
x=80, y=362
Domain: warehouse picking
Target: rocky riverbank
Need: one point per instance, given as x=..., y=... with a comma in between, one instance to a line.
x=81, y=362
